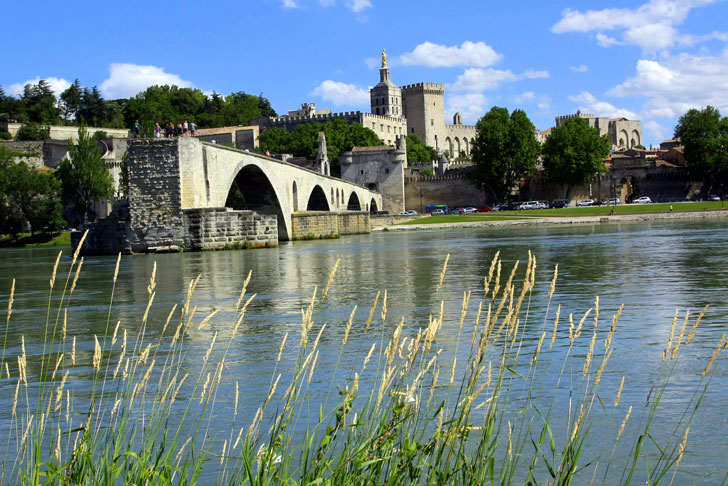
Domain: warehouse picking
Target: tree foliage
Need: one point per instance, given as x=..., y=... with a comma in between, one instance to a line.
x=28, y=195
x=505, y=151
x=164, y=104
x=33, y=131
x=78, y=105
x=84, y=175
x=303, y=140
x=704, y=136
x=418, y=152
x=574, y=153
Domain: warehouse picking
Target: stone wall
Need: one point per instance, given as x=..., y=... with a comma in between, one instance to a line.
x=380, y=169
x=451, y=190
x=326, y=223
x=33, y=152
x=221, y=228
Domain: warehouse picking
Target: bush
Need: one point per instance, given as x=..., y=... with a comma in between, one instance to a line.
x=5, y=136
x=33, y=131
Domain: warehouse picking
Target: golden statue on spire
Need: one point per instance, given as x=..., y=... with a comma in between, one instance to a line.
x=384, y=59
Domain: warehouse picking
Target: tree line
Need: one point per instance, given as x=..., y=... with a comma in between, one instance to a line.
x=506, y=151
x=79, y=105
x=43, y=200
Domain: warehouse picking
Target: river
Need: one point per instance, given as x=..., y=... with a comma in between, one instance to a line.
x=653, y=268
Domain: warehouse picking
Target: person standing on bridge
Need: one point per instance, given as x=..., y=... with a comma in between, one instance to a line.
x=157, y=130
x=193, y=128
x=185, y=128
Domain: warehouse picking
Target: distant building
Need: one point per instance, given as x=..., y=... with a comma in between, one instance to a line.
x=394, y=111
x=623, y=133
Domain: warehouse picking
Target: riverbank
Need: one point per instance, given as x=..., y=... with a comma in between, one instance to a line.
x=555, y=220
x=25, y=240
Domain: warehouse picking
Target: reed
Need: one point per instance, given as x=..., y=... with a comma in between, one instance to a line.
x=148, y=416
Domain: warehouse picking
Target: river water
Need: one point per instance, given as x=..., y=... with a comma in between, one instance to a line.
x=653, y=268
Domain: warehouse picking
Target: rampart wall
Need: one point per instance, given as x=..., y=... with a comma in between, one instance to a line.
x=452, y=190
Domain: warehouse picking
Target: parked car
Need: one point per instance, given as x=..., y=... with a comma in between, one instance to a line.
x=713, y=197
x=612, y=202
x=586, y=202
x=411, y=212
x=642, y=200
x=382, y=213
x=469, y=210
x=560, y=203
x=532, y=205
x=506, y=207
x=437, y=212
x=485, y=209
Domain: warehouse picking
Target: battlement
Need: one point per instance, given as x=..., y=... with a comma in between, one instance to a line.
x=461, y=128
x=394, y=119
x=318, y=117
x=424, y=88
x=562, y=118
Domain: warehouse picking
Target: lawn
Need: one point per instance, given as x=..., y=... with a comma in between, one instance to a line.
x=571, y=212
x=465, y=218
x=41, y=239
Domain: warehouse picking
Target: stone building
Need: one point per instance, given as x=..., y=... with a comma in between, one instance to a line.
x=623, y=133
x=394, y=111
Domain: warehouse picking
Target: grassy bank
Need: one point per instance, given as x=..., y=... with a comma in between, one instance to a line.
x=405, y=413
x=39, y=240
x=462, y=218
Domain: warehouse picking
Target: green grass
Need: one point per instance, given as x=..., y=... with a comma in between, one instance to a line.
x=462, y=218
x=622, y=209
x=41, y=239
x=415, y=417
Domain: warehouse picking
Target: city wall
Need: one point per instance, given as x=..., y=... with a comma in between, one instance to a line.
x=451, y=190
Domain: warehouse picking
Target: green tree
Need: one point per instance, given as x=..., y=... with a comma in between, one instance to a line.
x=303, y=140
x=70, y=101
x=38, y=104
x=84, y=175
x=28, y=195
x=505, y=151
x=33, y=131
x=704, y=135
x=419, y=152
x=574, y=153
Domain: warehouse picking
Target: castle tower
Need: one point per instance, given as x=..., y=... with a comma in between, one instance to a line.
x=424, y=108
x=386, y=98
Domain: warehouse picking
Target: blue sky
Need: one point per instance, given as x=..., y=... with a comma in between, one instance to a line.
x=646, y=60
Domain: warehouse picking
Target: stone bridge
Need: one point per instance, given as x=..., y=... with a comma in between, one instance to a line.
x=183, y=190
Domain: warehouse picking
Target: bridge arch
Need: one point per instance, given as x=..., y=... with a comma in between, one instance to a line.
x=373, y=206
x=251, y=189
x=317, y=200
x=353, y=204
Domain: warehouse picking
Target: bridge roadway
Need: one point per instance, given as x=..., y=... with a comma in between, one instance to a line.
x=211, y=175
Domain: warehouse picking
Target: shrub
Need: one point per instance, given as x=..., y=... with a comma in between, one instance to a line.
x=33, y=131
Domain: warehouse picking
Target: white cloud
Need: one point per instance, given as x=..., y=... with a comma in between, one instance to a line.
x=475, y=79
x=650, y=26
x=581, y=68
x=471, y=106
x=606, y=41
x=542, y=101
x=601, y=108
x=289, y=3
x=467, y=54
x=57, y=85
x=531, y=74
x=527, y=96
x=341, y=93
x=678, y=83
x=126, y=80
x=655, y=130
x=358, y=5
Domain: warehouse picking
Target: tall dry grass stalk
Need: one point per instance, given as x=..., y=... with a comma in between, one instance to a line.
x=153, y=415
